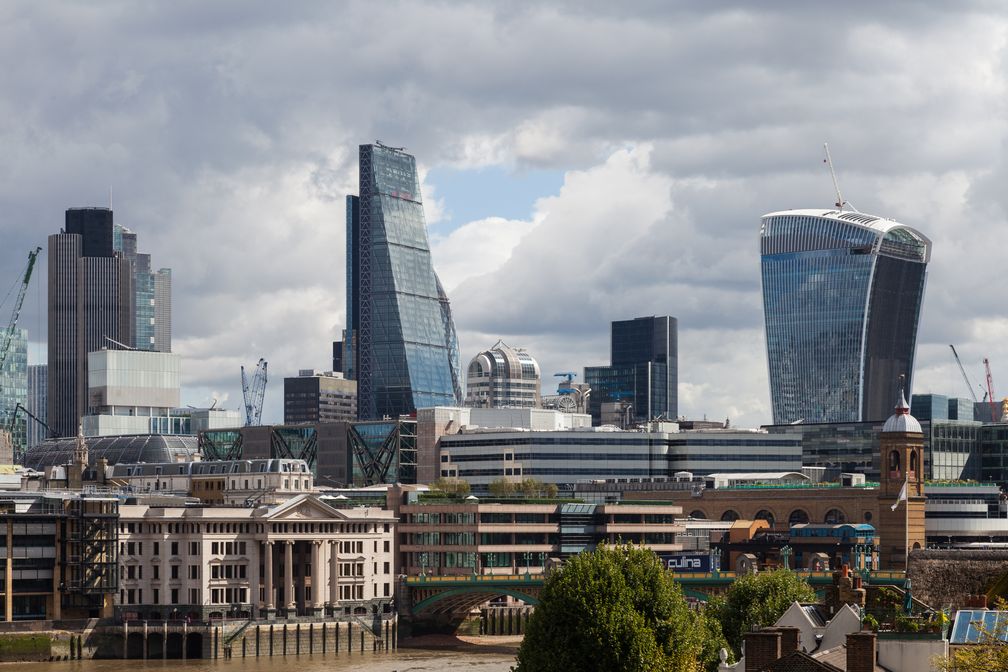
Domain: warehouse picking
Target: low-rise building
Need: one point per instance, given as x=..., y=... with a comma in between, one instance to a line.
x=444, y=537
x=58, y=555
x=302, y=557
x=227, y=482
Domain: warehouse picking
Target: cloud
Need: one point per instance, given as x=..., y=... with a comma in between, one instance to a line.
x=228, y=135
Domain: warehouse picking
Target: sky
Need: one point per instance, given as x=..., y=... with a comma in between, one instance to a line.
x=580, y=163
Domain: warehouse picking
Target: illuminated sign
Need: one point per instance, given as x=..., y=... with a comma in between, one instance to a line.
x=687, y=563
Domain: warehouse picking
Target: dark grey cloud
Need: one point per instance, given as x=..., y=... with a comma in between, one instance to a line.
x=228, y=132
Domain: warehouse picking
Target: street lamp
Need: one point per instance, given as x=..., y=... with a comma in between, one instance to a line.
x=528, y=560
x=785, y=553
x=715, y=561
x=423, y=565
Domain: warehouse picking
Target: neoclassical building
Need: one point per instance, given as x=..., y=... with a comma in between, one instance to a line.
x=503, y=377
x=302, y=557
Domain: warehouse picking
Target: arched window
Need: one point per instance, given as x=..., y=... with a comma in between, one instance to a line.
x=797, y=517
x=894, y=462
x=913, y=462
x=835, y=517
x=698, y=515
x=763, y=514
x=729, y=515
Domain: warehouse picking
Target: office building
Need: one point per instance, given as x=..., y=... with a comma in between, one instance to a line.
x=301, y=557
x=319, y=397
x=13, y=391
x=37, y=404
x=401, y=344
x=153, y=294
x=641, y=382
x=60, y=555
x=519, y=537
x=842, y=293
x=91, y=300
x=133, y=392
x=503, y=377
x=567, y=457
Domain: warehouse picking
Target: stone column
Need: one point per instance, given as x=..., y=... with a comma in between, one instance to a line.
x=291, y=599
x=317, y=578
x=254, y=579
x=270, y=599
x=334, y=574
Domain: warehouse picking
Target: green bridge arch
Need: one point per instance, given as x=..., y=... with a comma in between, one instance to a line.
x=480, y=594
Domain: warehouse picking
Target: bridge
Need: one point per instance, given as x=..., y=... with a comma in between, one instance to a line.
x=454, y=596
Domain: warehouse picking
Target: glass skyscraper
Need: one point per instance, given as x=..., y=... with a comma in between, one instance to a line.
x=14, y=390
x=842, y=293
x=643, y=370
x=400, y=344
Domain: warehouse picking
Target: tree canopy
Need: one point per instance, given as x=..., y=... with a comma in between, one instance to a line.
x=529, y=487
x=757, y=600
x=616, y=609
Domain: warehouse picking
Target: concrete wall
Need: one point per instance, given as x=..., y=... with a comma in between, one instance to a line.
x=911, y=654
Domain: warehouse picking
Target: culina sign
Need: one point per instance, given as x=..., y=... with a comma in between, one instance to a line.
x=687, y=563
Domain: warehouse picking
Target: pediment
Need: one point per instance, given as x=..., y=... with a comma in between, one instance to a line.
x=303, y=507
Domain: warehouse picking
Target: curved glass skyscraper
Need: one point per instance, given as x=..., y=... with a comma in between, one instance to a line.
x=842, y=294
x=401, y=344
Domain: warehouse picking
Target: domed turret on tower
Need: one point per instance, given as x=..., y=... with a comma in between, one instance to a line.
x=901, y=420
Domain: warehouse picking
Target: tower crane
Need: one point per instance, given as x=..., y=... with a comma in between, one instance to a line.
x=969, y=385
x=8, y=336
x=990, y=390
x=840, y=202
x=253, y=390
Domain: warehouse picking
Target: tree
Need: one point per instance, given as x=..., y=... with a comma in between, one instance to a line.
x=451, y=486
x=616, y=608
x=500, y=487
x=757, y=600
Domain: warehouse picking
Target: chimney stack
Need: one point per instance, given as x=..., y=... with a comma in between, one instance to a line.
x=860, y=652
x=790, y=640
x=762, y=647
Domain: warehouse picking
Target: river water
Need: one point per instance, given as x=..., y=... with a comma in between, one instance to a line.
x=403, y=660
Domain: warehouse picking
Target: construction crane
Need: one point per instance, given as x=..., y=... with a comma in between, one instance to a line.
x=568, y=377
x=990, y=391
x=7, y=435
x=10, y=428
x=9, y=334
x=840, y=202
x=969, y=385
x=253, y=391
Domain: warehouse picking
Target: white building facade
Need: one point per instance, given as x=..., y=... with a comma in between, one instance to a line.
x=299, y=558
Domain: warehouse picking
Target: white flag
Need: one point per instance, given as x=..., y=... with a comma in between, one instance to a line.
x=902, y=496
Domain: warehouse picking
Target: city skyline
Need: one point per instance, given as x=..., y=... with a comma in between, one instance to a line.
x=569, y=179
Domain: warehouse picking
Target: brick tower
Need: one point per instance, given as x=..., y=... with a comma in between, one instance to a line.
x=901, y=454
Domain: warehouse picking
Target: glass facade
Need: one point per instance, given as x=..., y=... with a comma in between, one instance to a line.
x=643, y=370
x=403, y=348
x=841, y=296
x=14, y=387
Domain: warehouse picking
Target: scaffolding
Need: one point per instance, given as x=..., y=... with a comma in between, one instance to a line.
x=90, y=567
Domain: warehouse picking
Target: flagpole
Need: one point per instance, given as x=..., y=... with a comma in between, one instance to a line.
x=906, y=525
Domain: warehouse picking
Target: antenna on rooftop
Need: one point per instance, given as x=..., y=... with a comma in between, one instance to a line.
x=840, y=202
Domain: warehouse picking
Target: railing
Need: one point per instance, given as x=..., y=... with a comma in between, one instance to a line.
x=700, y=577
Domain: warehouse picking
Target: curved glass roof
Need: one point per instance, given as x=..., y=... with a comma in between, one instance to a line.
x=116, y=449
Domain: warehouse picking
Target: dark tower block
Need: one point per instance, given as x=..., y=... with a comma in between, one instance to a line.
x=901, y=452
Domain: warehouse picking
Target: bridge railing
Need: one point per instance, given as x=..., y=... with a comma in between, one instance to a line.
x=885, y=576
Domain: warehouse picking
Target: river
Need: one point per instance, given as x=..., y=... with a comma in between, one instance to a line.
x=473, y=659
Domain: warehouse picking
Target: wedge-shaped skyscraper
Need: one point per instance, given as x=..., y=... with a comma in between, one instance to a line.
x=400, y=342
x=842, y=295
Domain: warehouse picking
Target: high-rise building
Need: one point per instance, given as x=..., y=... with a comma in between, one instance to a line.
x=319, y=397
x=503, y=377
x=643, y=376
x=162, y=310
x=91, y=300
x=153, y=294
x=36, y=403
x=14, y=391
x=401, y=344
x=842, y=293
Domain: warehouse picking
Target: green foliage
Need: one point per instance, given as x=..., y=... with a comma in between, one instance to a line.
x=530, y=487
x=989, y=653
x=871, y=622
x=756, y=601
x=451, y=486
x=616, y=609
